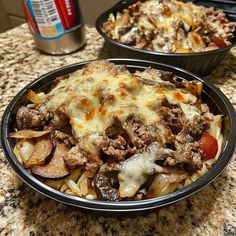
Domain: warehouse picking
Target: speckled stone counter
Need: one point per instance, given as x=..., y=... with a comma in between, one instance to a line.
x=23, y=211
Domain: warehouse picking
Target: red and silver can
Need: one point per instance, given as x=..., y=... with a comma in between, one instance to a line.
x=56, y=25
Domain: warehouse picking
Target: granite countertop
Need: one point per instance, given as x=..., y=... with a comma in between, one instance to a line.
x=23, y=211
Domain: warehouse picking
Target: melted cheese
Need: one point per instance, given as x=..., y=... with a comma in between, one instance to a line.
x=135, y=171
x=92, y=96
x=165, y=14
x=189, y=111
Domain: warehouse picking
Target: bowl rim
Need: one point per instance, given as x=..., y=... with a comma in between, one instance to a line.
x=115, y=8
x=122, y=206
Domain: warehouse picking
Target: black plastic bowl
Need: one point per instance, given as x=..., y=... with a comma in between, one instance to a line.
x=201, y=63
x=217, y=101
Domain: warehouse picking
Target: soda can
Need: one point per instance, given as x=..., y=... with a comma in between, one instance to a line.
x=56, y=25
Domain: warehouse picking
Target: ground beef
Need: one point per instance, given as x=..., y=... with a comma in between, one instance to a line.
x=59, y=118
x=59, y=136
x=27, y=118
x=198, y=125
x=137, y=131
x=118, y=148
x=167, y=76
x=92, y=166
x=93, y=162
x=116, y=129
x=189, y=154
x=111, y=167
x=172, y=117
x=74, y=158
x=116, y=143
x=184, y=137
x=160, y=133
x=187, y=144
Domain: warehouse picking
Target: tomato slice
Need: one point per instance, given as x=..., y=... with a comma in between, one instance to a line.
x=219, y=42
x=209, y=146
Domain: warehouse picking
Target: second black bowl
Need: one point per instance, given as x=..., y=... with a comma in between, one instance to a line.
x=200, y=63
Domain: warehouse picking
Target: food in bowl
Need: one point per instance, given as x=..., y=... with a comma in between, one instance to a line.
x=170, y=26
x=106, y=133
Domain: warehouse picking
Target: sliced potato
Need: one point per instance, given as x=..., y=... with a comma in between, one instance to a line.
x=56, y=167
x=42, y=150
x=29, y=133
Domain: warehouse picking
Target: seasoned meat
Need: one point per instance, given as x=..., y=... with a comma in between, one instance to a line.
x=28, y=118
x=118, y=148
x=167, y=76
x=59, y=118
x=137, y=131
x=188, y=153
x=59, y=136
x=116, y=144
x=184, y=137
x=173, y=118
x=159, y=84
x=92, y=166
x=74, y=158
x=94, y=160
x=111, y=167
x=116, y=129
x=160, y=133
x=198, y=125
x=187, y=144
x=104, y=189
x=141, y=194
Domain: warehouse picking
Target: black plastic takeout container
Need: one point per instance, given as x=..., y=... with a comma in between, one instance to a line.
x=201, y=63
x=217, y=101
